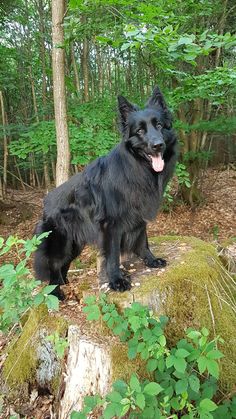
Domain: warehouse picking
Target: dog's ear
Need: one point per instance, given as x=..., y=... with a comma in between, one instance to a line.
x=157, y=99
x=125, y=108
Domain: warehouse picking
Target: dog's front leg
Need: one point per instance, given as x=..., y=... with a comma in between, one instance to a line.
x=142, y=250
x=118, y=281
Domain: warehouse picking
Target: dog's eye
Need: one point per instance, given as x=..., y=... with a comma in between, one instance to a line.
x=158, y=125
x=140, y=131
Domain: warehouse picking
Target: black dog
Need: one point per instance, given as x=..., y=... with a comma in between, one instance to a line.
x=111, y=201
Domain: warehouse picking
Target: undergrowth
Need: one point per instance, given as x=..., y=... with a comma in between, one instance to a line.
x=19, y=290
x=184, y=378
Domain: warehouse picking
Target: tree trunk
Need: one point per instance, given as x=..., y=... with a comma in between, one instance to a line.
x=100, y=70
x=88, y=371
x=84, y=63
x=33, y=94
x=43, y=54
x=5, y=149
x=59, y=92
x=75, y=70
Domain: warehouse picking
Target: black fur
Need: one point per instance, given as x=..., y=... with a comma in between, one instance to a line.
x=111, y=201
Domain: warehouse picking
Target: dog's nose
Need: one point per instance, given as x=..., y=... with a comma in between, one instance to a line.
x=158, y=147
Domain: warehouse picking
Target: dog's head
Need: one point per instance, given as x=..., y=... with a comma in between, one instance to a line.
x=147, y=133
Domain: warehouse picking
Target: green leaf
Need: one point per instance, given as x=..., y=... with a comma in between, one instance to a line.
x=170, y=361
x=48, y=289
x=134, y=383
x=110, y=411
x=213, y=368
x=152, y=389
x=78, y=415
x=202, y=341
x=146, y=334
x=152, y=365
x=181, y=353
x=93, y=401
x=149, y=413
x=7, y=270
x=214, y=354
x=38, y=299
x=52, y=302
x=157, y=331
x=185, y=40
x=208, y=405
x=125, y=400
x=205, y=415
x=132, y=352
x=162, y=340
x=120, y=386
x=202, y=364
x=140, y=401
x=175, y=403
x=205, y=331
x=93, y=312
x=91, y=299
x=124, y=410
x=114, y=396
x=193, y=334
x=181, y=386
x=161, y=364
x=194, y=383
x=144, y=354
x=134, y=323
x=180, y=364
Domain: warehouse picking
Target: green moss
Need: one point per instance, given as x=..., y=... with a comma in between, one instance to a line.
x=123, y=367
x=228, y=242
x=82, y=286
x=89, y=262
x=21, y=363
x=194, y=290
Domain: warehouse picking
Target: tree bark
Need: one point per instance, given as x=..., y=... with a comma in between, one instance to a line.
x=75, y=69
x=84, y=64
x=5, y=149
x=59, y=92
x=88, y=371
x=43, y=54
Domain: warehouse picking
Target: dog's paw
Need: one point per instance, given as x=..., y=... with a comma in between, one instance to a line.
x=66, y=281
x=156, y=263
x=120, y=283
x=59, y=293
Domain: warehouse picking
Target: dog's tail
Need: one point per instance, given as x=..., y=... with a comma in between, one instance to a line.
x=57, y=249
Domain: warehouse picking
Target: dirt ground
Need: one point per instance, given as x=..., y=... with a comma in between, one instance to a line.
x=215, y=218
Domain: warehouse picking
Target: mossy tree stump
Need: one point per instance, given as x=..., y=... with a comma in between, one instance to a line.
x=193, y=290
x=31, y=361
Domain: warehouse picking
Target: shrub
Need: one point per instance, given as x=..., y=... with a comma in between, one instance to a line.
x=185, y=377
x=19, y=290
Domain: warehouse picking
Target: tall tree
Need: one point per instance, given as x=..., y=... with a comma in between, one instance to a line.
x=59, y=92
x=5, y=150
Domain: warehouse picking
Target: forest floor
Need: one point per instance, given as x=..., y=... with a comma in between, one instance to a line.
x=214, y=219
x=215, y=216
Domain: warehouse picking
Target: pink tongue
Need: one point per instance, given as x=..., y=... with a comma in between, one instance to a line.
x=157, y=163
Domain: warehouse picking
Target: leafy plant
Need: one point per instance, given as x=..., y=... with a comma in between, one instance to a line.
x=215, y=232
x=19, y=290
x=182, y=175
x=60, y=344
x=185, y=377
x=183, y=178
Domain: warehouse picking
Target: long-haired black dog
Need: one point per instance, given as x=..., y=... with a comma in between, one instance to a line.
x=112, y=200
